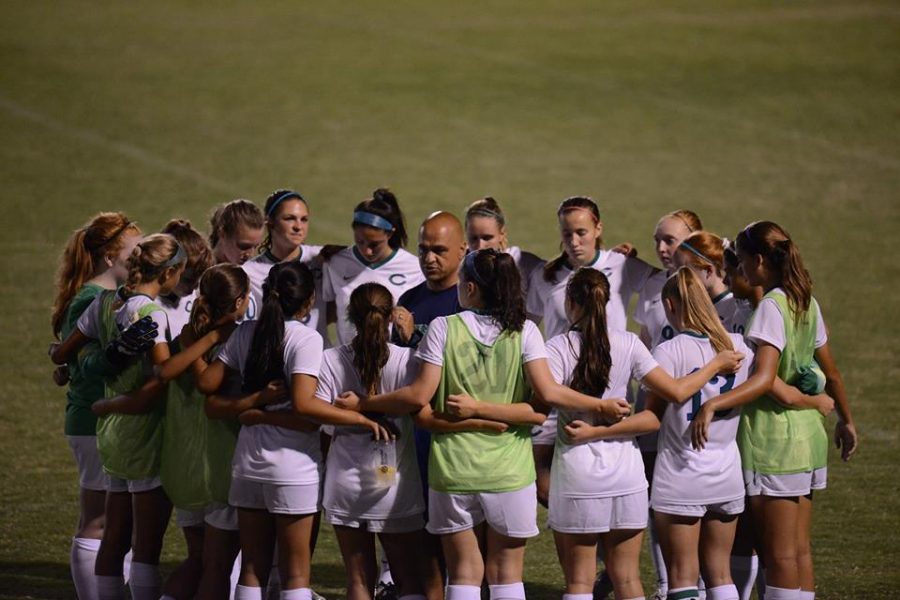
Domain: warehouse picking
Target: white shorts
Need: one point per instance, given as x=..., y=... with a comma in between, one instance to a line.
x=545, y=434
x=513, y=514
x=133, y=486
x=221, y=516
x=598, y=515
x=87, y=457
x=785, y=485
x=732, y=507
x=396, y=525
x=280, y=499
x=189, y=518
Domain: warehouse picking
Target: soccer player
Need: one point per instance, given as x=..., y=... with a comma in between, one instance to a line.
x=377, y=256
x=94, y=260
x=486, y=228
x=236, y=231
x=783, y=452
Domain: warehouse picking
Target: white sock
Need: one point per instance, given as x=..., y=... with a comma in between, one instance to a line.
x=743, y=572
x=804, y=595
x=126, y=567
x=244, y=592
x=235, y=575
x=297, y=594
x=777, y=593
x=110, y=587
x=577, y=596
x=701, y=588
x=659, y=563
x=636, y=598
x=761, y=583
x=508, y=591
x=722, y=592
x=145, y=583
x=463, y=592
x=685, y=593
x=81, y=563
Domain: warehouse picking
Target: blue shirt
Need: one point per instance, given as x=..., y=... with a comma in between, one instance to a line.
x=426, y=305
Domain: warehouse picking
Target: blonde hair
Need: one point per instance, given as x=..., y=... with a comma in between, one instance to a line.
x=697, y=310
x=102, y=237
x=151, y=257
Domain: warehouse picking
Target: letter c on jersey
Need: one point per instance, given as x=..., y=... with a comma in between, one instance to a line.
x=397, y=279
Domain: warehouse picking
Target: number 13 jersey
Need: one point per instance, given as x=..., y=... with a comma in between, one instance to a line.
x=683, y=475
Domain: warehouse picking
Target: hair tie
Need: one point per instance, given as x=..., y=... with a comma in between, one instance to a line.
x=362, y=217
x=471, y=271
x=284, y=196
x=179, y=256
x=696, y=252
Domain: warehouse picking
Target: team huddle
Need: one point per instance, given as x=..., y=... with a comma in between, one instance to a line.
x=201, y=376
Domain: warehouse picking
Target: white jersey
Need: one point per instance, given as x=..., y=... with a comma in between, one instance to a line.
x=257, y=269
x=683, y=475
x=180, y=314
x=598, y=468
x=768, y=324
x=527, y=263
x=651, y=313
x=626, y=276
x=345, y=271
x=485, y=330
x=732, y=312
x=274, y=454
x=91, y=321
x=351, y=485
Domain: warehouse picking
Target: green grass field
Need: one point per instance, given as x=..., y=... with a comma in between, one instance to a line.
x=788, y=111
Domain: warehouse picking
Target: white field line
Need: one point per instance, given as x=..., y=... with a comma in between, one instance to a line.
x=126, y=149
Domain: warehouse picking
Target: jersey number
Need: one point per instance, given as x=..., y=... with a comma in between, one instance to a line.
x=697, y=399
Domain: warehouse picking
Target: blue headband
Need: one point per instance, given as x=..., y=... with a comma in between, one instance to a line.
x=471, y=271
x=284, y=196
x=696, y=252
x=372, y=220
x=179, y=256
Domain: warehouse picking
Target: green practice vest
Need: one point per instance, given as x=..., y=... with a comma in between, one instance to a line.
x=475, y=461
x=129, y=445
x=774, y=439
x=195, y=466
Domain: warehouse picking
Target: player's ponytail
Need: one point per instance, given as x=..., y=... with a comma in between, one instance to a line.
x=497, y=277
x=589, y=290
x=697, y=311
x=773, y=243
x=220, y=288
x=151, y=258
x=370, y=308
x=581, y=203
x=84, y=252
x=382, y=211
x=288, y=289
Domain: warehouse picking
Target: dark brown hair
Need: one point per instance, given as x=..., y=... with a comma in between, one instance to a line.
x=384, y=204
x=199, y=254
x=370, y=308
x=589, y=289
x=773, y=243
x=497, y=277
x=220, y=286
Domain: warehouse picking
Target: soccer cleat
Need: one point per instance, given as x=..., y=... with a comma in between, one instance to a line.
x=385, y=591
x=603, y=586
